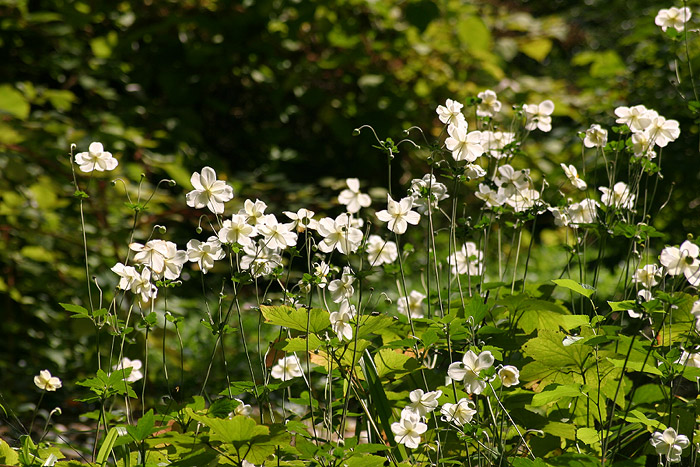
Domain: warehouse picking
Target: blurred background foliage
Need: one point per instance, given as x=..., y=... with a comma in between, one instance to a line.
x=268, y=93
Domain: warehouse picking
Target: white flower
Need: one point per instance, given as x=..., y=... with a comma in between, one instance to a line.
x=464, y=146
x=135, y=366
x=254, y=211
x=162, y=257
x=509, y=375
x=287, y=368
x=619, y=196
x=645, y=295
x=142, y=286
x=561, y=217
x=342, y=289
x=672, y=18
x=340, y=320
x=321, y=270
x=260, y=259
x=276, y=235
x=467, y=260
x=242, y=409
x=208, y=191
x=237, y=230
x=408, y=429
x=352, y=198
x=205, y=253
x=646, y=276
x=460, y=413
x=422, y=403
x=451, y=112
x=414, y=304
x=568, y=340
x=127, y=274
x=596, y=137
x=492, y=198
x=489, y=106
x=523, y=199
x=662, y=131
x=683, y=260
x=427, y=187
x=96, y=158
x=303, y=219
x=583, y=212
x=669, y=444
x=641, y=145
x=380, y=251
x=399, y=214
x=689, y=359
x=474, y=171
x=539, y=116
x=468, y=370
x=637, y=118
x=339, y=234
x=494, y=142
x=45, y=381
x=511, y=180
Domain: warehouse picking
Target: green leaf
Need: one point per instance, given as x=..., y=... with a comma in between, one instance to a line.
x=389, y=362
x=631, y=365
x=296, y=318
x=622, y=306
x=365, y=461
x=585, y=290
x=474, y=34
x=555, y=392
x=589, y=436
x=537, y=48
x=8, y=455
x=144, y=428
x=220, y=408
x=298, y=344
x=12, y=102
x=636, y=416
x=107, y=445
x=549, y=320
x=234, y=430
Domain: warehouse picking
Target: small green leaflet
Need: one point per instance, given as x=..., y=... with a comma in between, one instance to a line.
x=583, y=289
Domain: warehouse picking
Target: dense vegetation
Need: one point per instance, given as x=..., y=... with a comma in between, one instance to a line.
x=270, y=96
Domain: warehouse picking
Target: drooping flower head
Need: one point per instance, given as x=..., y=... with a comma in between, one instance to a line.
x=670, y=444
x=572, y=175
x=340, y=320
